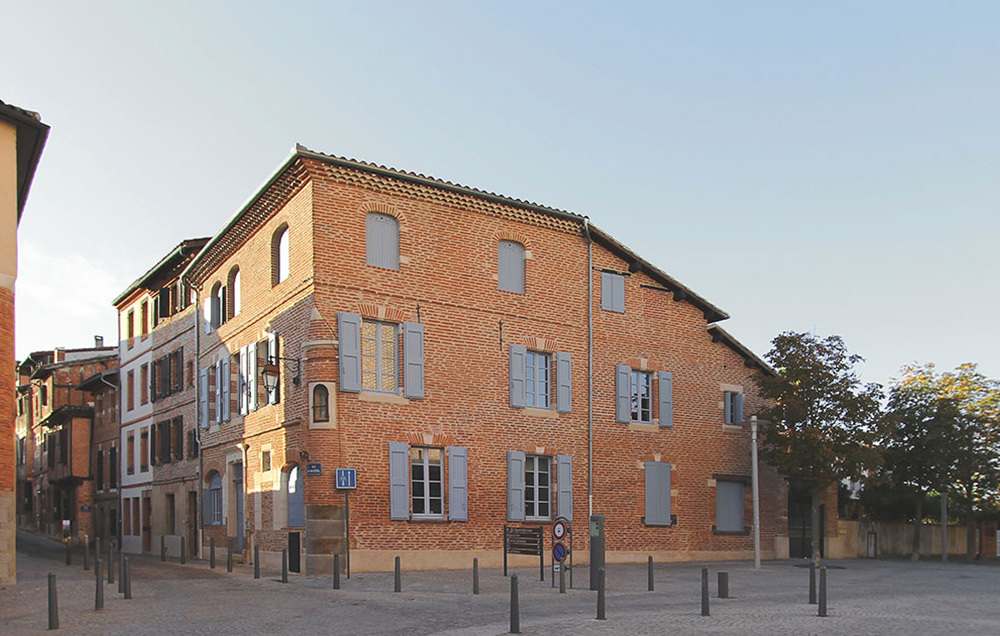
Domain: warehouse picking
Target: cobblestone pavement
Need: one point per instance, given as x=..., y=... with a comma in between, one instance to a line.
x=865, y=597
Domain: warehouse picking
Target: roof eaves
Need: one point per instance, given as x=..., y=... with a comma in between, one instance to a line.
x=33, y=133
x=749, y=357
x=179, y=251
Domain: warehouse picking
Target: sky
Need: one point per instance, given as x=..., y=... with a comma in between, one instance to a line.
x=822, y=167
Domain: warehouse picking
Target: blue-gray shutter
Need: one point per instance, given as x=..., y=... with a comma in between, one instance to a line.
x=738, y=404
x=727, y=402
x=219, y=381
x=225, y=388
x=241, y=381
x=382, y=240
x=458, y=483
x=515, y=486
x=564, y=380
x=349, y=338
x=510, y=266
x=623, y=393
x=613, y=292
x=619, y=293
x=296, y=500
x=399, y=481
x=203, y=396
x=274, y=397
x=518, y=355
x=666, y=399
x=729, y=506
x=252, y=372
x=413, y=360
x=657, y=494
x=206, y=315
x=564, y=485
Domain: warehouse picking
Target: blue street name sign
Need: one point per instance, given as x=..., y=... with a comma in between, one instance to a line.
x=314, y=469
x=347, y=478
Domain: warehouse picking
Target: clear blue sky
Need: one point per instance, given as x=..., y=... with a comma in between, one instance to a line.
x=805, y=166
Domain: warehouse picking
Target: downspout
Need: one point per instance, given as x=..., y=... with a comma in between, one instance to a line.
x=590, y=367
x=199, y=504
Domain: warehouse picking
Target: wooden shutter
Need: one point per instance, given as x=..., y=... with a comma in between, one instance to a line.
x=382, y=240
x=349, y=348
x=737, y=408
x=152, y=444
x=515, y=486
x=220, y=383
x=729, y=506
x=225, y=388
x=564, y=382
x=413, y=360
x=612, y=292
x=206, y=315
x=152, y=381
x=203, y=396
x=564, y=486
x=623, y=396
x=179, y=380
x=666, y=399
x=252, y=372
x=458, y=483
x=518, y=355
x=166, y=382
x=510, y=266
x=657, y=494
x=619, y=293
x=399, y=481
x=241, y=380
x=728, y=407
x=274, y=397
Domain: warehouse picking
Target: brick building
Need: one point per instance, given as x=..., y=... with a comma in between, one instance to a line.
x=159, y=462
x=104, y=453
x=481, y=361
x=22, y=138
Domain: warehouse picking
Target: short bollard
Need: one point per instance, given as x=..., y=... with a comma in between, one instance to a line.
x=53, y=603
x=211, y=552
x=183, y=551
x=649, y=575
x=336, y=571
x=704, y=592
x=812, y=583
x=562, y=578
x=111, y=561
x=256, y=562
x=128, y=579
x=601, y=598
x=515, y=607
x=229, y=554
x=822, y=591
x=121, y=573
x=723, y=584
x=86, y=553
x=475, y=576
x=398, y=579
x=284, y=565
x=163, y=548
x=69, y=552
x=99, y=587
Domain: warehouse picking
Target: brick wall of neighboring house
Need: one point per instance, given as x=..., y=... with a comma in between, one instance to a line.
x=106, y=508
x=8, y=503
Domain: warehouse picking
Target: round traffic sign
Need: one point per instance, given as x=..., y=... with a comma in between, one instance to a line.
x=559, y=530
x=558, y=551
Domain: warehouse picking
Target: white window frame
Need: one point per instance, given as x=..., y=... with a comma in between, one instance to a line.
x=636, y=396
x=532, y=500
x=537, y=390
x=421, y=466
x=378, y=361
x=215, y=500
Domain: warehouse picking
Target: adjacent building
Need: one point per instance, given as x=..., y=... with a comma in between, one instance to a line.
x=478, y=360
x=104, y=452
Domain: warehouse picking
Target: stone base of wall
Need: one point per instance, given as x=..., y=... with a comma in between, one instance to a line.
x=8, y=564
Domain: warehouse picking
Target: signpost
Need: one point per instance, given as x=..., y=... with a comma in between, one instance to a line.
x=561, y=531
x=347, y=480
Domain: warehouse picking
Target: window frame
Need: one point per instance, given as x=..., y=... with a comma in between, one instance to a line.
x=534, y=362
x=235, y=304
x=214, y=499
x=426, y=481
x=738, y=527
x=635, y=396
x=280, y=258
x=379, y=359
x=320, y=408
x=382, y=231
x=531, y=490
x=508, y=253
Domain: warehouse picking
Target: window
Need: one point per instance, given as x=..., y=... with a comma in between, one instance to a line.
x=378, y=357
x=537, y=486
x=658, y=494
x=113, y=467
x=733, y=405
x=170, y=514
x=100, y=470
x=265, y=461
x=296, y=498
x=127, y=516
x=279, y=255
x=426, y=487
x=136, y=519
x=634, y=396
x=192, y=436
x=178, y=437
x=510, y=266
x=144, y=318
x=45, y=395
x=164, y=428
x=130, y=326
x=729, y=506
x=144, y=454
x=321, y=403
x=613, y=292
x=536, y=380
x=641, y=397
x=218, y=308
x=143, y=384
x=213, y=502
x=530, y=486
x=382, y=240
x=234, y=291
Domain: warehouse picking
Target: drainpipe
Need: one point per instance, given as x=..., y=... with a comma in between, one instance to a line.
x=199, y=504
x=590, y=367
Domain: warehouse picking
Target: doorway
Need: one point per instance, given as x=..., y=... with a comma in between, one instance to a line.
x=238, y=491
x=800, y=523
x=147, y=524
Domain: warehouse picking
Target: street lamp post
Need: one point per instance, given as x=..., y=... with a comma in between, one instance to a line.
x=756, y=493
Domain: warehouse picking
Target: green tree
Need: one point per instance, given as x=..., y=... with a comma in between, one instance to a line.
x=822, y=419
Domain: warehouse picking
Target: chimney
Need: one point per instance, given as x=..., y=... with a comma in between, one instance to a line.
x=98, y=341
x=59, y=354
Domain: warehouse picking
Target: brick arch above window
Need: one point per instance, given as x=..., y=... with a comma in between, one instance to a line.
x=536, y=343
x=381, y=312
x=383, y=208
x=516, y=237
x=429, y=439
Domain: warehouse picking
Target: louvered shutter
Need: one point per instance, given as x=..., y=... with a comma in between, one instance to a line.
x=564, y=485
x=619, y=293
x=564, y=380
x=399, y=481
x=203, y=396
x=515, y=486
x=413, y=360
x=666, y=399
x=657, y=494
x=252, y=371
x=458, y=487
x=738, y=408
x=225, y=388
x=274, y=397
x=180, y=369
x=349, y=338
x=206, y=315
x=152, y=381
x=220, y=383
x=728, y=407
x=152, y=443
x=623, y=396
x=518, y=355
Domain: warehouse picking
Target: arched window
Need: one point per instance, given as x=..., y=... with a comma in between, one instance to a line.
x=510, y=266
x=279, y=255
x=321, y=403
x=213, y=502
x=296, y=498
x=218, y=304
x=382, y=240
x=234, y=291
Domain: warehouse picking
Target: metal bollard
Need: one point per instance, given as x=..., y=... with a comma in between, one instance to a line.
x=256, y=562
x=515, y=607
x=183, y=550
x=562, y=578
x=111, y=561
x=601, y=598
x=211, y=553
x=822, y=591
x=704, y=592
x=128, y=579
x=99, y=587
x=812, y=583
x=121, y=573
x=398, y=581
x=475, y=576
x=163, y=548
x=229, y=554
x=649, y=575
x=723, y=584
x=53, y=603
x=336, y=571
x=86, y=553
x=284, y=565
